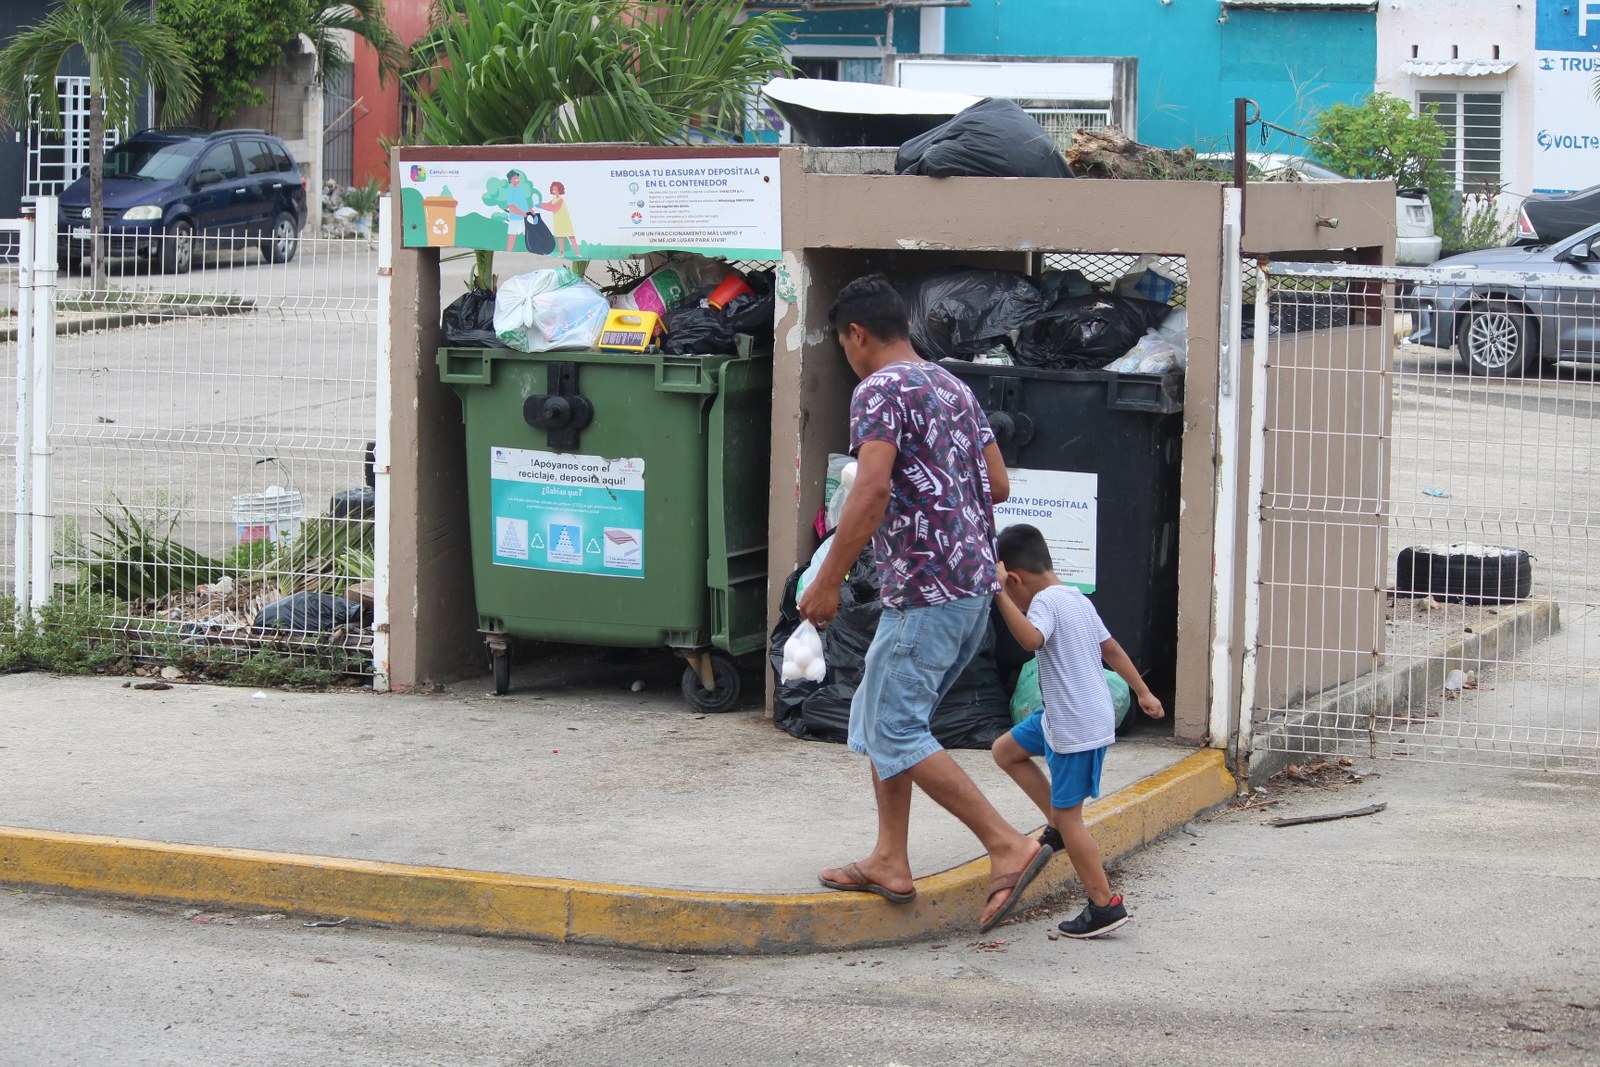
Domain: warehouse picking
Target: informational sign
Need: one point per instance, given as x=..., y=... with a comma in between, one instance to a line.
x=596, y=209
x=1064, y=505
x=1566, y=127
x=556, y=511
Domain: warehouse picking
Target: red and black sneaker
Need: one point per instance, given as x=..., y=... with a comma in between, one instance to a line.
x=1096, y=921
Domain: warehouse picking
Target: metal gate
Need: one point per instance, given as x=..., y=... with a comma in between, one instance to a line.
x=1423, y=507
x=57, y=156
x=340, y=110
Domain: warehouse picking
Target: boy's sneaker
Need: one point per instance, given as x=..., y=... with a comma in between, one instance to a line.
x=1052, y=837
x=1094, y=921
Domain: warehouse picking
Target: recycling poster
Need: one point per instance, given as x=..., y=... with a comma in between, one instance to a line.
x=1064, y=505
x=595, y=208
x=556, y=511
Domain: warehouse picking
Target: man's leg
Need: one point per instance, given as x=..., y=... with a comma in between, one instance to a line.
x=1084, y=854
x=889, y=864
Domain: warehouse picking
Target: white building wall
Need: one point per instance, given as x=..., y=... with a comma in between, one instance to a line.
x=1483, y=30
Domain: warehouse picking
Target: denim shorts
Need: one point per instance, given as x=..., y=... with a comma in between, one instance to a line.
x=1074, y=776
x=914, y=660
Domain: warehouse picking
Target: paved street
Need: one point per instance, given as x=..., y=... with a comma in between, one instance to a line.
x=1459, y=926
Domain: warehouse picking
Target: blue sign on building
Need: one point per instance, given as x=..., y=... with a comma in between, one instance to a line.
x=1568, y=26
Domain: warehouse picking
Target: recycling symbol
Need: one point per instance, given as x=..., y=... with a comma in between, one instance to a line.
x=440, y=226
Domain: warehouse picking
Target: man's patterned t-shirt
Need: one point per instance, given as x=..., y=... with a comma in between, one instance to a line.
x=936, y=542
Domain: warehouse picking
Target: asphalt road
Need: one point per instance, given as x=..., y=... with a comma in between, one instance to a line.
x=1458, y=926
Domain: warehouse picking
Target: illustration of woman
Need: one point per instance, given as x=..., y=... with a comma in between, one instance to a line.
x=519, y=201
x=560, y=220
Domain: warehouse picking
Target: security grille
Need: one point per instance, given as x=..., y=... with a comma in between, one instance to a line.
x=56, y=157
x=1060, y=122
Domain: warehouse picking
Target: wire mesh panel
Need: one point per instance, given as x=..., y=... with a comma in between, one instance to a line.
x=1429, y=576
x=211, y=470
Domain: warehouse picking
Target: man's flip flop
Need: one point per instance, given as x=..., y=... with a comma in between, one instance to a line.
x=1017, y=883
x=862, y=884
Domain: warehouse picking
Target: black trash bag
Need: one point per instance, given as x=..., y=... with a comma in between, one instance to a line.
x=1087, y=332
x=961, y=311
x=992, y=138
x=973, y=714
x=751, y=313
x=352, y=504
x=469, y=321
x=311, y=613
x=536, y=235
x=1058, y=285
x=697, y=331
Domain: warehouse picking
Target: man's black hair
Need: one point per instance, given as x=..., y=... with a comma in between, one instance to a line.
x=1021, y=548
x=871, y=303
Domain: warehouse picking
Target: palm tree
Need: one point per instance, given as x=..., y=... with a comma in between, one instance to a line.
x=574, y=71
x=365, y=19
x=125, y=48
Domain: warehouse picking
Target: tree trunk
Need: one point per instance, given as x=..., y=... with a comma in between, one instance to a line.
x=1109, y=153
x=97, y=189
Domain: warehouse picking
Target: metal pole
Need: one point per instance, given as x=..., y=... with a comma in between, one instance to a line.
x=22, y=517
x=42, y=377
x=1241, y=169
x=1225, y=531
x=380, y=452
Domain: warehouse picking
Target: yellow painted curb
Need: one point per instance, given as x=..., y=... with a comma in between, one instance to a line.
x=564, y=910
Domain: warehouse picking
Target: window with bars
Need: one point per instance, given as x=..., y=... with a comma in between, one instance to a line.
x=57, y=156
x=1473, y=126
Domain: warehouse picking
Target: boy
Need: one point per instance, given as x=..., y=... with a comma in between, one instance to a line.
x=1078, y=722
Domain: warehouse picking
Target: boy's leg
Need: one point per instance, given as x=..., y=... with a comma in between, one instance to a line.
x=1019, y=763
x=1084, y=853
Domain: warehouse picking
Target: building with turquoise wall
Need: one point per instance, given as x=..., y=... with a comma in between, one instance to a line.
x=1294, y=57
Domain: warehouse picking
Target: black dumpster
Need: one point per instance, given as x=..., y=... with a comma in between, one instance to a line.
x=1095, y=459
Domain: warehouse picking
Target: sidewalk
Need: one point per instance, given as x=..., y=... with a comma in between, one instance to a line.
x=572, y=809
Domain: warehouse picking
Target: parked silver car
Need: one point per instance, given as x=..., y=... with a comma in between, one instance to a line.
x=1501, y=329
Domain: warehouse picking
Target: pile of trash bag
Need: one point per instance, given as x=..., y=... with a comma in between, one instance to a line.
x=548, y=310
x=468, y=321
x=992, y=138
x=972, y=715
x=1087, y=332
x=961, y=311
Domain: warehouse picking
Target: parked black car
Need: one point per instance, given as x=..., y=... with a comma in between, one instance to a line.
x=1512, y=326
x=1544, y=219
x=165, y=188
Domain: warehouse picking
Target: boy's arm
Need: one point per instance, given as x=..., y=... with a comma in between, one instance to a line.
x=1118, y=661
x=1026, y=633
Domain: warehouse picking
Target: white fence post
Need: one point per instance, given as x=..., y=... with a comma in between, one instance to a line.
x=1254, y=492
x=380, y=455
x=1224, y=524
x=41, y=377
x=22, y=517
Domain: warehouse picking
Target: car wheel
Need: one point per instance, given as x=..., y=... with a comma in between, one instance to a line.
x=177, y=248
x=284, y=241
x=1496, y=339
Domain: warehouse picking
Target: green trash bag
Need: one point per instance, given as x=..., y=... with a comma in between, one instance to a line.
x=1026, y=698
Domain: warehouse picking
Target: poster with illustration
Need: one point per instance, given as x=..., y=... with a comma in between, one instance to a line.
x=559, y=511
x=595, y=209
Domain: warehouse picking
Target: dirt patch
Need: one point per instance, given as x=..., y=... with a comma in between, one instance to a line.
x=1419, y=626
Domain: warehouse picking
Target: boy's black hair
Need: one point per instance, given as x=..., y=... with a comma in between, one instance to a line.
x=871, y=303
x=1021, y=548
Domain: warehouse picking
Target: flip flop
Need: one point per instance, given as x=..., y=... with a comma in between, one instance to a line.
x=863, y=884
x=1017, y=883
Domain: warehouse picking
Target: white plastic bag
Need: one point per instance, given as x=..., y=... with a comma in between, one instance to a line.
x=847, y=480
x=802, y=655
x=1152, y=355
x=548, y=309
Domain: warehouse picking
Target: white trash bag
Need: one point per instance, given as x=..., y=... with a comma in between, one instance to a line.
x=802, y=655
x=548, y=309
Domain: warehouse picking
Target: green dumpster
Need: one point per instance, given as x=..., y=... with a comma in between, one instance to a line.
x=619, y=499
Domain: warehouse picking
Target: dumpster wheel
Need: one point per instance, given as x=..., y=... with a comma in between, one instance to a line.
x=724, y=695
x=500, y=660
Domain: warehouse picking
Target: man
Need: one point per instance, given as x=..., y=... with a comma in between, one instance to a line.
x=928, y=472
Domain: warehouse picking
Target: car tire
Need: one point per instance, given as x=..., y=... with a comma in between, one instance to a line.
x=283, y=240
x=1497, y=339
x=1472, y=574
x=178, y=248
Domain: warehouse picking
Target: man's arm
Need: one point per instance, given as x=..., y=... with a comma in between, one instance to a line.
x=999, y=480
x=864, y=509
x=1118, y=661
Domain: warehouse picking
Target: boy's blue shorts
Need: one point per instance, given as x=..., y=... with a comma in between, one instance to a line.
x=1074, y=777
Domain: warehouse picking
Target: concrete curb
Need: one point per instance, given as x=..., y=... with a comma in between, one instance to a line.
x=1390, y=690
x=563, y=910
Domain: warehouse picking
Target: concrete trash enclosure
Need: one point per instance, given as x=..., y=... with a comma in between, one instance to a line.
x=843, y=215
